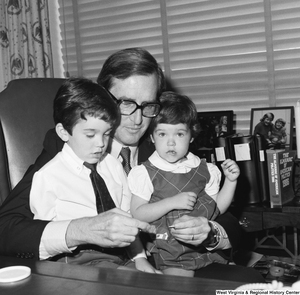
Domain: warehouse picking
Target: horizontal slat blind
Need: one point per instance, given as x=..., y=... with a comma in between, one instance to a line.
x=103, y=27
x=225, y=54
x=218, y=54
x=286, y=44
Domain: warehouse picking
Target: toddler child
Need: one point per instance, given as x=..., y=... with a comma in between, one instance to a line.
x=174, y=182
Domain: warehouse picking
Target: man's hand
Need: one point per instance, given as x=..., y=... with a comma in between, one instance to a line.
x=191, y=230
x=114, y=228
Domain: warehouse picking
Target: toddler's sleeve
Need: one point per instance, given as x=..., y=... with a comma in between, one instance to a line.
x=139, y=182
x=213, y=186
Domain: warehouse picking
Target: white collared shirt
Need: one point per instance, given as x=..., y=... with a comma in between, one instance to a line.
x=58, y=202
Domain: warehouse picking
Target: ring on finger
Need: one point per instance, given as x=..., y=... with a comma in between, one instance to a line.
x=192, y=237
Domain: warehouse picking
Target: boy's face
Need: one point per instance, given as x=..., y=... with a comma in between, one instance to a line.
x=89, y=139
x=172, y=141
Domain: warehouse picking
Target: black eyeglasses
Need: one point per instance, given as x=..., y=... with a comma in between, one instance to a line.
x=128, y=107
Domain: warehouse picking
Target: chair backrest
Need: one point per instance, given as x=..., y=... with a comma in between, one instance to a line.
x=25, y=116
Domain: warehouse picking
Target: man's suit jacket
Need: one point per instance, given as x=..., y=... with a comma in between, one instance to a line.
x=21, y=235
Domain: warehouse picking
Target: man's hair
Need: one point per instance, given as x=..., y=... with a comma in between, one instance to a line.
x=129, y=62
x=176, y=109
x=80, y=97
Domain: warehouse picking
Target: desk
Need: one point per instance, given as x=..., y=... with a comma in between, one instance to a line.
x=63, y=279
x=254, y=219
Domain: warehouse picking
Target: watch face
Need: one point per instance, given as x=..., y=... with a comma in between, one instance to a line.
x=215, y=232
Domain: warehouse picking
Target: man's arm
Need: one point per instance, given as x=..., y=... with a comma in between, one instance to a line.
x=20, y=234
x=195, y=230
x=232, y=228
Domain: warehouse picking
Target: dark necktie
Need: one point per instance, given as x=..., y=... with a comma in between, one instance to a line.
x=104, y=201
x=125, y=154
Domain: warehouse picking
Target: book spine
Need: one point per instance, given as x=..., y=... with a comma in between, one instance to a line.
x=286, y=165
x=243, y=151
x=262, y=168
x=274, y=180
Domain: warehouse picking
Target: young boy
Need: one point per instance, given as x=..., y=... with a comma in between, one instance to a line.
x=174, y=182
x=84, y=115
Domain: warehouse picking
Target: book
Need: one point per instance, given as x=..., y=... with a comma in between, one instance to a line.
x=206, y=153
x=262, y=168
x=221, y=152
x=280, y=175
x=243, y=150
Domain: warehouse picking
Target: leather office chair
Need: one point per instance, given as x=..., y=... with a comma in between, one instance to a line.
x=25, y=116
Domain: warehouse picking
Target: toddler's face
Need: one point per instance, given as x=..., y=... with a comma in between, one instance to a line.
x=172, y=141
x=90, y=138
x=278, y=125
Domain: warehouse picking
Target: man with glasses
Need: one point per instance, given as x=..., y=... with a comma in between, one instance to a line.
x=136, y=81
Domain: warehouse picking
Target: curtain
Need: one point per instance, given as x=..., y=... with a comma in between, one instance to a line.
x=25, y=40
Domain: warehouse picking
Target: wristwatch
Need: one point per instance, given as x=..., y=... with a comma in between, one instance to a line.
x=213, y=237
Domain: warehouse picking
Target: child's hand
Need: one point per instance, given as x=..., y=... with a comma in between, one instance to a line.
x=231, y=169
x=184, y=200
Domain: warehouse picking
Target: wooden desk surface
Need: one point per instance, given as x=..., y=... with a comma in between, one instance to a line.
x=59, y=278
x=256, y=218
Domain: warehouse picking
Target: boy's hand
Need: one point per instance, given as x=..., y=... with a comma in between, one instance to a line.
x=184, y=201
x=231, y=169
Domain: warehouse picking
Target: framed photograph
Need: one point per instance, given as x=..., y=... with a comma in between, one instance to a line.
x=213, y=124
x=275, y=125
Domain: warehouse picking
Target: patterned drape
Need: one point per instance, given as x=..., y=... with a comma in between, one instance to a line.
x=25, y=40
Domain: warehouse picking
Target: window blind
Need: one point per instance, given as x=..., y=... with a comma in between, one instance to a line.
x=225, y=55
x=286, y=46
x=96, y=29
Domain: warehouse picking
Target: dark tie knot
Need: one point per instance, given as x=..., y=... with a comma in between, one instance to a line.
x=90, y=166
x=125, y=154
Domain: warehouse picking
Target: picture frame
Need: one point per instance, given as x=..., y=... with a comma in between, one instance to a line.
x=276, y=138
x=213, y=124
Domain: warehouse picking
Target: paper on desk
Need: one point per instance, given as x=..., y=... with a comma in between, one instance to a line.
x=242, y=152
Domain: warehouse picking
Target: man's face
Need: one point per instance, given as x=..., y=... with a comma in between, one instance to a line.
x=140, y=89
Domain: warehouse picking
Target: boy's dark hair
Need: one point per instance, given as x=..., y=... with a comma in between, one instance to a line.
x=129, y=62
x=79, y=97
x=176, y=109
